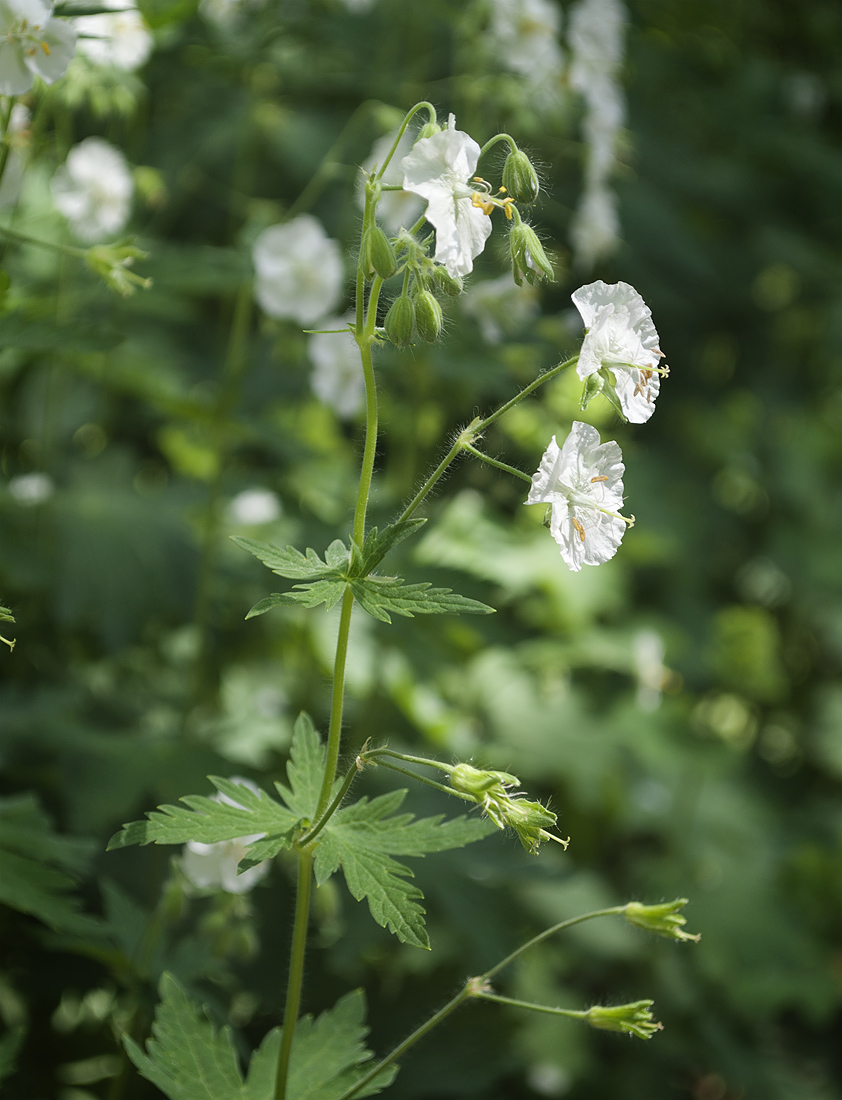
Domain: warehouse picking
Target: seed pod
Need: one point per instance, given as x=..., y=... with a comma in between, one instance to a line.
x=448, y=284
x=380, y=254
x=529, y=261
x=427, y=316
x=400, y=320
x=520, y=178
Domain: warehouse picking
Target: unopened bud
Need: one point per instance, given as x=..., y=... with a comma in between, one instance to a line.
x=633, y=1019
x=471, y=780
x=379, y=253
x=663, y=919
x=428, y=318
x=400, y=320
x=519, y=177
x=529, y=261
x=593, y=385
x=427, y=130
x=448, y=284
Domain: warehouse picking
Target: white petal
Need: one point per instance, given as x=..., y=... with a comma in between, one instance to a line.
x=60, y=38
x=15, y=77
x=546, y=476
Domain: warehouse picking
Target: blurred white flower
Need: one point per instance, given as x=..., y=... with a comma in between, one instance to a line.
x=214, y=866
x=440, y=169
x=252, y=507
x=32, y=44
x=595, y=36
x=357, y=5
x=300, y=274
x=18, y=139
x=499, y=306
x=337, y=377
x=648, y=655
x=524, y=35
x=120, y=39
x=621, y=345
x=31, y=489
x=395, y=208
x=93, y=190
x=583, y=483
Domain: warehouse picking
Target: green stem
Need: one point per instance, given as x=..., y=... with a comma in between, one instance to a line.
x=296, y=969
x=574, y=1014
x=474, y=987
x=335, y=728
x=449, y=768
x=6, y=148
x=475, y=429
x=310, y=836
x=407, y=119
x=426, y=781
x=496, y=462
x=411, y=1040
x=493, y=141
x=24, y=238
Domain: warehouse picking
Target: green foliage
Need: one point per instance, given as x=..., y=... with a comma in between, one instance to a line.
x=189, y=1059
x=10, y=1045
x=39, y=870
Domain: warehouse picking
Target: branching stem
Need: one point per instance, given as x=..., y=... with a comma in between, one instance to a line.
x=296, y=969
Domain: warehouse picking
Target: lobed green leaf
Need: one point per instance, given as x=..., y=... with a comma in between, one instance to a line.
x=381, y=595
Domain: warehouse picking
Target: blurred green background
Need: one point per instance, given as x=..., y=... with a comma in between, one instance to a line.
x=680, y=706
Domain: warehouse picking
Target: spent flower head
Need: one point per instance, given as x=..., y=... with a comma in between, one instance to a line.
x=32, y=44
x=490, y=790
x=112, y=262
x=440, y=169
x=300, y=274
x=663, y=919
x=632, y=1019
x=621, y=347
x=93, y=189
x=583, y=484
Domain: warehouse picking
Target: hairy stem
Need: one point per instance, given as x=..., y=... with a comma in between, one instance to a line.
x=496, y=462
x=423, y=106
x=296, y=969
x=572, y=1013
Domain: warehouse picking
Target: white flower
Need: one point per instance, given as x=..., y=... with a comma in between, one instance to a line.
x=500, y=306
x=524, y=34
x=648, y=655
x=93, y=190
x=119, y=39
x=32, y=44
x=252, y=507
x=395, y=208
x=299, y=268
x=337, y=377
x=583, y=483
x=214, y=866
x=31, y=489
x=439, y=169
x=621, y=345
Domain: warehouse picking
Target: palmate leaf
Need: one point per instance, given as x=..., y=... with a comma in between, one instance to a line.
x=377, y=544
x=291, y=563
x=362, y=839
x=326, y=591
x=39, y=869
x=188, y=1059
x=381, y=595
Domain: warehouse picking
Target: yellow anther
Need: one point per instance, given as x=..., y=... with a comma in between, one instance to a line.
x=479, y=200
x=579, y=528
x=45, y=48
x=601, y=477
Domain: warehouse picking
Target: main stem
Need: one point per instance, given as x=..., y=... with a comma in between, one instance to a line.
x=296, y=969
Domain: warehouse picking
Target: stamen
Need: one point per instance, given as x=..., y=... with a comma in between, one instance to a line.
x=579, y=528
x=601, y=477
x=45, y=48
x=482, y=203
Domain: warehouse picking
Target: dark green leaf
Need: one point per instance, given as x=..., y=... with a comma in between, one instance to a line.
x=381, y=595
x=376, y=545
x=10, y=1046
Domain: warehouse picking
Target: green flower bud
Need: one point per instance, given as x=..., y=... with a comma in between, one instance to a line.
x=473, y=781
x=520, y=178
x=428, y=318
x=593, y=385
x=427, y=130
x=663, y=919
x=448, y=284
x=379, y=253
x=633, y=1019
x=400, y=320
x=529, y=261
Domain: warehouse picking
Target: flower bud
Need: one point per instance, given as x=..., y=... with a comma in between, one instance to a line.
x=520, y=178
x=633, y=1019
x=379, y=253
x=400, y=320
x=428, y=318
x=529, y=261
x=448, y=284
x=427, y=130
x=593, y=385
x=663, y=919
x=473, y=781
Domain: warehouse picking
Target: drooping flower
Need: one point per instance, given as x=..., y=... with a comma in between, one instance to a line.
x=621, y=346
x=440, y=169
x=583, y=484
x=337, y=377
x=299, y=268
x=32, y=44
x=214, y=866
x=93, y=190
x=117, y=38
x=395, y=208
